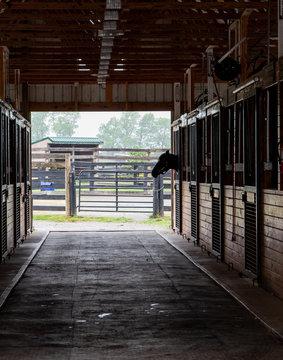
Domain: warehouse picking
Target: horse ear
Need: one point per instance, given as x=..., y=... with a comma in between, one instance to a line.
x=167, y=152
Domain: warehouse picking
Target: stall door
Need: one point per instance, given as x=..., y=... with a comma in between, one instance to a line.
x=251, y=194
x=194, y=179
x=17, y=187
x=216, y=188
x=3, y=181
x=177, y=180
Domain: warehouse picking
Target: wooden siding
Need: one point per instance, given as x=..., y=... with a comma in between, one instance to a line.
x=272, y=246
x=93, y=93
x=186, y=209
x=10, y=217
x=272, y=230
x=234, y=227
x=205, y=228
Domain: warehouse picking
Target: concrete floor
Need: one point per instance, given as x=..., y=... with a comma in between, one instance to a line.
x=125, y=295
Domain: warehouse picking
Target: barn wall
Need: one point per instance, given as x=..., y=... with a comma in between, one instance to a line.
x=272, y=232
x=92, y=93
x=272, y=247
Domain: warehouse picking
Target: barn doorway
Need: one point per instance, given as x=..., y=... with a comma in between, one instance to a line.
x=101, y=145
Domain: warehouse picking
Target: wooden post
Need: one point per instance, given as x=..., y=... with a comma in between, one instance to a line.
x=244, y=44
x=127, y=96
x=235, y=26
x=67, y=183
x=280, y=29
x=279, y=96
x=177, y=102
x=108, y=92
x=25, y=102
x=17, y=90
x=76, y=95
x=4, y=72
x=190, y=88
x=210, y=82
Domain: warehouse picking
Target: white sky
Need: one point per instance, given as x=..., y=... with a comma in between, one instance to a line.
x=90, y=121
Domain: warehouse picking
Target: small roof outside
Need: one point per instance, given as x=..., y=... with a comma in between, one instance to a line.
x=71, y=140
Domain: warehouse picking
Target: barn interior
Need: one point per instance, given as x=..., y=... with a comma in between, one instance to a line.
x=216, y=65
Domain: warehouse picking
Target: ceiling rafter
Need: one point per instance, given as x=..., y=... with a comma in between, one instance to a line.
x=69, y=41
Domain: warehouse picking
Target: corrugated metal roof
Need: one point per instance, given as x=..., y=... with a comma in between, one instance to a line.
x=72, y=140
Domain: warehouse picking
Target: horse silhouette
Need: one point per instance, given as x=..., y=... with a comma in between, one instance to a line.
x=165, y=162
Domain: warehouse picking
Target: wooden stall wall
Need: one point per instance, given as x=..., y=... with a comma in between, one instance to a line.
x=272, y=244
x=205, y=225
x=269, y=267
x=15, y=159
x=234, y=227
x=186, y=209
x=10, y=217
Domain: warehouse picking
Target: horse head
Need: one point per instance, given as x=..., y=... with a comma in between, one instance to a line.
x=165, y=162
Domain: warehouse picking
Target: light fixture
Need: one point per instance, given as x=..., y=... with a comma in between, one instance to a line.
x=110, y=25
x=113, y=4
x=111, y=15
x=244, y=86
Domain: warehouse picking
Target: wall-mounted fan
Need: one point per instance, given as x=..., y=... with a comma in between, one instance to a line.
x=227, y=69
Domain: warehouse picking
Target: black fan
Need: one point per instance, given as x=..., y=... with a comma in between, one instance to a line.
x=227, y=69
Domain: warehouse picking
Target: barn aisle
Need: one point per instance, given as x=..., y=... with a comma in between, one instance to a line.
x=125, y=295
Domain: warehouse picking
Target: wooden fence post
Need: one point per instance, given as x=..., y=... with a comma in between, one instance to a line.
x=67, y=183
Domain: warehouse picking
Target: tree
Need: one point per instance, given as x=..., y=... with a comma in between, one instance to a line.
x=64, y=123
x=39, y=125
x=49, y=123
x=134, y=131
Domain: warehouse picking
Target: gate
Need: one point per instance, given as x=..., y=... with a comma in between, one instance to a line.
x=123, y=189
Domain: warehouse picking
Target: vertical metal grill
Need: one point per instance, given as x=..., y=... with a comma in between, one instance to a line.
x=194, y=211
x=250, y=237
x=216, y=233
x=4, y=247
x=177, y=207
x=27, y=210
x=18, y=213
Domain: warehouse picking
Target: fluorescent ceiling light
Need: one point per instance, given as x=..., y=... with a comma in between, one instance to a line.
x=111, y=15
x=113, y=4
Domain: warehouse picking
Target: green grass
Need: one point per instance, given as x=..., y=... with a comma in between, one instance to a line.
x=164, y=222
x=66, y=219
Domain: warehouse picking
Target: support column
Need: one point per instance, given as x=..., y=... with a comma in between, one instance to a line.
x=244, y=44
x=190, y=88
x=177, y=102
x=17, y=89
x=210, y=82
x=25, y=102
x=4, y=72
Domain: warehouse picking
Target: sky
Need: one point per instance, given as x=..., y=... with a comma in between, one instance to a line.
x=90, y=121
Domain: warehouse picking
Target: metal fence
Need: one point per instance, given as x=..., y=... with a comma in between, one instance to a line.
x=117, y=186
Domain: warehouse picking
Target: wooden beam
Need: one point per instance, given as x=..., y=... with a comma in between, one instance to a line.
x=103, y=106
x=141, y=5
